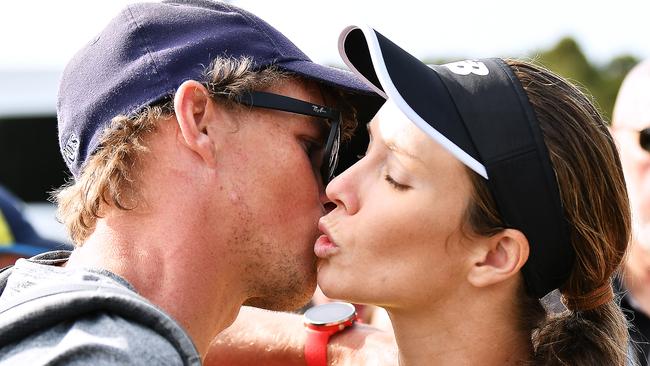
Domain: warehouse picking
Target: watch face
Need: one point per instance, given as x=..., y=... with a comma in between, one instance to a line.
x=330, y=313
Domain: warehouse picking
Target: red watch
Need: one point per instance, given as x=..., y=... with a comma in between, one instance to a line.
x=321, y=322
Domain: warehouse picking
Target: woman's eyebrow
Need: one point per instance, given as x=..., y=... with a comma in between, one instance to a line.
x=392, y=146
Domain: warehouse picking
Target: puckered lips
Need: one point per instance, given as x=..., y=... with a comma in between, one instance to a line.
x=325, y=247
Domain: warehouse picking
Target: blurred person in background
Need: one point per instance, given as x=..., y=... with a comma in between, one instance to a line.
x=18, y=238
x=631, y=128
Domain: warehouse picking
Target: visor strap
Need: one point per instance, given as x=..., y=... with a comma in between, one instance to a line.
x=504, y=129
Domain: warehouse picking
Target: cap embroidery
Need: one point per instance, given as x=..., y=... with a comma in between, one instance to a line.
x=71, y=149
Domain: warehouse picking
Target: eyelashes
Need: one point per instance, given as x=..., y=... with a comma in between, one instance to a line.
x=395, y=184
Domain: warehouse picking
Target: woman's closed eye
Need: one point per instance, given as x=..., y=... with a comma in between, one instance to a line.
x=398, y=186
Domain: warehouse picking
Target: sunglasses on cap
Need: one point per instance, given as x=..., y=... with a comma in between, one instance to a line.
x=283, y=103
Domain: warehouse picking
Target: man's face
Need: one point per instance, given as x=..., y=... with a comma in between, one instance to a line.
x=272, y=198
x=631, y=115
x=636, y=165
x=628, y=121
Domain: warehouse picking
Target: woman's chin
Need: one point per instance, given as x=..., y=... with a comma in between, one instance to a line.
x=337, y=286
x=328, y=281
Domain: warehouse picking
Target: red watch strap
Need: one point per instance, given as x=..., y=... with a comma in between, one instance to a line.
x=316, y=347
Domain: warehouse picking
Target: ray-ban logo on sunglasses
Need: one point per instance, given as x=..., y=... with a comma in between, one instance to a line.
x=318, y=109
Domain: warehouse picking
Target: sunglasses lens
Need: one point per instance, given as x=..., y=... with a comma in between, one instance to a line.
x=644, y=139
x=331, y=156
x=334, y=155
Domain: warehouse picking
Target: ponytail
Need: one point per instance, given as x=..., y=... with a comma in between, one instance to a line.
x=590, y=336
x=593, y=329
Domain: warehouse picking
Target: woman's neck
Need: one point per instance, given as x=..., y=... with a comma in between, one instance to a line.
x=467, y=334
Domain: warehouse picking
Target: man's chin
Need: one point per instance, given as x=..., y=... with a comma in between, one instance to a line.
x=290, y=298
x=280, y=302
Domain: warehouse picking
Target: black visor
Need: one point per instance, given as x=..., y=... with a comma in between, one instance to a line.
x=479, y=112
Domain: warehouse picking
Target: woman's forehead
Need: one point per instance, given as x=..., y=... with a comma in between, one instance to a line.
x=419, y=153
x=395, y=129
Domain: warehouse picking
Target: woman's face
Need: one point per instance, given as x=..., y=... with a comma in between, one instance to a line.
x=394, y=238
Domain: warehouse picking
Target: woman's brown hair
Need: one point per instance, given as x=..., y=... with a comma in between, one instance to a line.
x=593, y=329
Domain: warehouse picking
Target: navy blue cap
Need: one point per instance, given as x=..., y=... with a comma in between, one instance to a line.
x=149, y=49
x=479, y=112
x=17, y=235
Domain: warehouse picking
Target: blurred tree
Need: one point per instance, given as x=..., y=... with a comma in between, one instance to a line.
x=602, y=82
x=613, y=74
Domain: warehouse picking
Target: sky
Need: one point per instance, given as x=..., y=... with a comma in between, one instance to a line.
x=44, y=34
x=38, y=37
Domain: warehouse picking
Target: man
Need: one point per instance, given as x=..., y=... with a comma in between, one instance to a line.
x=200, y=140
x=631, y=128
x=18, y=238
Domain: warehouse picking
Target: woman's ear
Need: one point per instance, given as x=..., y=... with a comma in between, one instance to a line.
x=498, y=258
x=194, y=112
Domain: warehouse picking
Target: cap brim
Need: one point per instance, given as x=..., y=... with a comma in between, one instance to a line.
x=396, y=75
x=327, y=75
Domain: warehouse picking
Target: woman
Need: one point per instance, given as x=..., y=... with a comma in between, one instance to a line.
x=487, y=185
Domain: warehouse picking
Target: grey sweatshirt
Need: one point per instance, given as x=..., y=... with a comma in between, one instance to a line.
x=136, y=334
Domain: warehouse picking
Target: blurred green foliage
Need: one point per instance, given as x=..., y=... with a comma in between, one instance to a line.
x=602, y=81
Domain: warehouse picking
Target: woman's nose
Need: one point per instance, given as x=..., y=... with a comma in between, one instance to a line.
x=342, y=190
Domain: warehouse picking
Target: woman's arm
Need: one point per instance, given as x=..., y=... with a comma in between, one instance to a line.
x=275, y=338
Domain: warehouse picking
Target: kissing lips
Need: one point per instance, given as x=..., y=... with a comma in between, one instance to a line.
x=324, y=247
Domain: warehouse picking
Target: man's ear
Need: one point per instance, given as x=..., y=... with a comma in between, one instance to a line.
x=194, y=111
x=498, y=258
